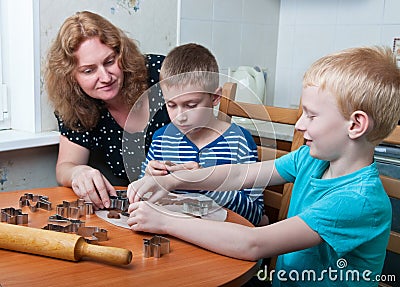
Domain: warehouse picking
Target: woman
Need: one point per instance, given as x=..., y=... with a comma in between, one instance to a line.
x=95, y=78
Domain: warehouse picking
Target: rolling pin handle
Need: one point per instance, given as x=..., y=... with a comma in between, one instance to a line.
x=113, y=255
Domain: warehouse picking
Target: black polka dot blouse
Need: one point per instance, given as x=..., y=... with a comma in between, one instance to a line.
x=121, y=151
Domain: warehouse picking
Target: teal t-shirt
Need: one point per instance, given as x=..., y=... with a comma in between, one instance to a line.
x=352, y=214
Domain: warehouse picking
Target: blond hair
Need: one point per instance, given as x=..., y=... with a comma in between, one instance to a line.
x=365, y=79
x=77, y=110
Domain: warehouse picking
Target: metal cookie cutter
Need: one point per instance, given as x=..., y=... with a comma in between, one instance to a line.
x=122, y=193
x=13, y=216
x=90, y=233
x=197, y=207
x=35, y=201
x=89, y=208
x=74, y=209
x=63, y=224
x=156, y=246
x=119, y=202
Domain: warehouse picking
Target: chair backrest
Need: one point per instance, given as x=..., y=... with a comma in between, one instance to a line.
x=392, y=187
x=277, y=199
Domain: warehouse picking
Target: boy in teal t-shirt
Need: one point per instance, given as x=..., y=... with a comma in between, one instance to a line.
x=350, y=213
x=339, y=216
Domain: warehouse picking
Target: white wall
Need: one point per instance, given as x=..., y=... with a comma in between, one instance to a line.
x=309, y=29
x=28, y=168
x=286, y=36
x=238, y=32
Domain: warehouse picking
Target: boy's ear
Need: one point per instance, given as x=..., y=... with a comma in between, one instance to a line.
x=359, y=124
x=217, y=96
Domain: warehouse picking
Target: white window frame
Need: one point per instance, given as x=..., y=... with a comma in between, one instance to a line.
x=4, y=107
x=19, y=70
x=20, y=50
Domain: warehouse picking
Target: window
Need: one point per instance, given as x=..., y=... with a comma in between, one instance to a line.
x=20, y=50
x=4, y=116
x=20, y=96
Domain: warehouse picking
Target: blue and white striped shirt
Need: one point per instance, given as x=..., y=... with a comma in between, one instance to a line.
x=234, y=146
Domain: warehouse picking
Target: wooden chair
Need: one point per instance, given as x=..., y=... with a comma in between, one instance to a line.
x=276, y=198
x=392, y=187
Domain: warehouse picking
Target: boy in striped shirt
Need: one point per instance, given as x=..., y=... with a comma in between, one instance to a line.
x=195, y=137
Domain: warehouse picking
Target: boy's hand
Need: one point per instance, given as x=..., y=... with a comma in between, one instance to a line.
x=184, y=166
x=156, y=185
x=156, y=168
x=145, y=216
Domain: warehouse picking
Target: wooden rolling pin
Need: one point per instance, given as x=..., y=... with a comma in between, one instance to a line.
x=58, y=245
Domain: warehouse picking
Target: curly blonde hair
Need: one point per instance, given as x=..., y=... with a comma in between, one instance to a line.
x=77, y=110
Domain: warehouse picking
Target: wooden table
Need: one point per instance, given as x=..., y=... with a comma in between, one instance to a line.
x=185, y=265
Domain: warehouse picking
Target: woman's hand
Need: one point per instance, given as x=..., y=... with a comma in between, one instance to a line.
x=88, y=183
x=72, y=170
